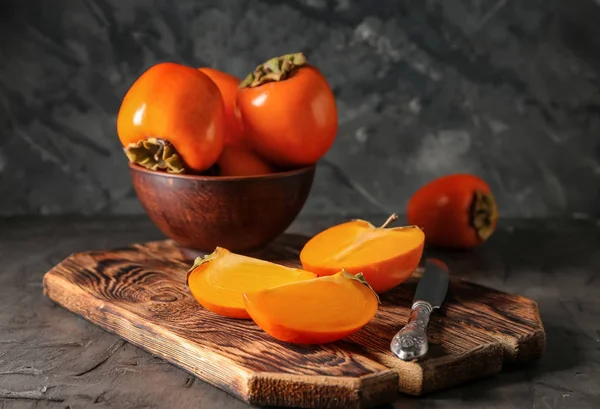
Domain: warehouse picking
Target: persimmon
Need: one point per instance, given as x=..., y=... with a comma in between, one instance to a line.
x=385, y=256
x=237, y=158
x=288, y=111
x=172, y=118
x=218, y=280
x=455, y=211
x=228, y=86
x=240, y=161
x=316, y=311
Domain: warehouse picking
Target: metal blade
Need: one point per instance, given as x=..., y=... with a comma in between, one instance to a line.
x=433, y=286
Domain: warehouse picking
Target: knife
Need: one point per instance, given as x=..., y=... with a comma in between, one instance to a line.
x=410, y=343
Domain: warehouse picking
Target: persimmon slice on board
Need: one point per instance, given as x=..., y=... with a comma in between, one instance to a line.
x=219, y=280
x=316, y=311
x=386, y=256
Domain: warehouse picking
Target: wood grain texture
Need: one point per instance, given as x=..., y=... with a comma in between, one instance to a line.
x=138, y=292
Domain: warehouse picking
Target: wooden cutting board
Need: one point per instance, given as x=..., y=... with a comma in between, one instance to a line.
x=139, y=293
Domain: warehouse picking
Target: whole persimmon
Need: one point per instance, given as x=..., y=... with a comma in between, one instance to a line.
x=288, y=111
x=455, y=211
x=228, y=85
x=172, y=118
x=240, y=161
x=237, y=158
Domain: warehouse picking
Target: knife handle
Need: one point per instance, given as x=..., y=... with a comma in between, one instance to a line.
x=410, y=343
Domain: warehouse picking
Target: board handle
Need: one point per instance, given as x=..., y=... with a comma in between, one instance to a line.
x=410, y=343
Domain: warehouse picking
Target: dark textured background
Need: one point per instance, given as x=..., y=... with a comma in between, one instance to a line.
x=504, y=89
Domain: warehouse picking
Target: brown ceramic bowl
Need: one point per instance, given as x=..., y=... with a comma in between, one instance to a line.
x=241, y=214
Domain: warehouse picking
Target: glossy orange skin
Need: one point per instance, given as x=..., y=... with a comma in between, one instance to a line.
x=306, y=337
x=228, y=85
x=442, y=209
x=237, y=158
x=179, y=104
x=240, y=161
x=292, y=122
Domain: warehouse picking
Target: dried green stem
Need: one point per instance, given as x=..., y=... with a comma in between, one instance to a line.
x=389, y=221
x=276, y=69
x=199, y=261
x=361, y=279
x=155, y=154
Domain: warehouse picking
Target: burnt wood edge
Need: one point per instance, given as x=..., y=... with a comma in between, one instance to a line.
x=481, y=362
x=525, y=349
x=367, y=391
x=533, y=346
x=363, y=392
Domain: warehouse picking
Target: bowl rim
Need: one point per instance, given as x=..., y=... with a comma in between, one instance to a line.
x=277, y=175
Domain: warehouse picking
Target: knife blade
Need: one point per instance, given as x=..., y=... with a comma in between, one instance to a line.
x=410, y=343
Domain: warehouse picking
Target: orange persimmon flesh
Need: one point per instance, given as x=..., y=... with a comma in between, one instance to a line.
x=219, y=280
x=386, y=256
x=314, y=311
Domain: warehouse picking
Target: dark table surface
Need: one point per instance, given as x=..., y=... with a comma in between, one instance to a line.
x=50, y=358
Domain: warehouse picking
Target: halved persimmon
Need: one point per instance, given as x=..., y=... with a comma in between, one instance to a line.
x=316, y=311
x=386, y=256
x=219, y=280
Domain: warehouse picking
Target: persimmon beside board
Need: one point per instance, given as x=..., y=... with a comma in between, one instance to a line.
x=139, y=294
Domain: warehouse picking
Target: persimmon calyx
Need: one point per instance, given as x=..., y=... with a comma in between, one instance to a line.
x=483, y=214
x=155, y=154
x=276, y=69
x=361, y=279
x=199, y=261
